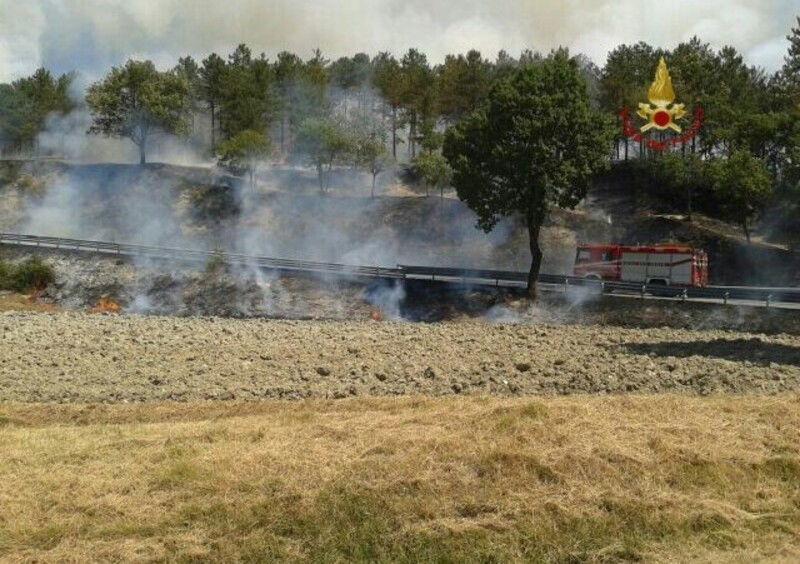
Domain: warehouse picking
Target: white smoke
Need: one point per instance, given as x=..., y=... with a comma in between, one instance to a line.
x=91, y=35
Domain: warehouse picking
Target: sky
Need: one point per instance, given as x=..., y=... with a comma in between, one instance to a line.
x=91, y=35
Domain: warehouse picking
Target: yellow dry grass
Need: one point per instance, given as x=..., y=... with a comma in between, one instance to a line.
x=655, y=478
x=18, y=302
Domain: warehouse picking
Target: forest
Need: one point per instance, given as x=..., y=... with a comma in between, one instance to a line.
x=373, y=112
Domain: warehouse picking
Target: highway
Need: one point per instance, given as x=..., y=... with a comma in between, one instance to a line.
x=738, y=295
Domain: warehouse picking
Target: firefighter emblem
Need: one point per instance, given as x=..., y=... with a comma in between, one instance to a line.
x=661, y=113
x=658, y=113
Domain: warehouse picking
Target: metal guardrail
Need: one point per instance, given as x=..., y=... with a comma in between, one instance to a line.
x=724, y=293
x=189, y=255
x=768, y=296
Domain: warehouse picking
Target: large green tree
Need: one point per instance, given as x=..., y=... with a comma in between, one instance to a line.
x=388, y=83
x=434, y=171
x=417, y=93
x=212, y=80
x=323, y=142
x=288, y=69
x=461, y=83
x=26, y=104
x=245, y=151
x=536, y=143
x=370, y=149
x=136, y=101
x=791, y=68
x=743, y=186
x=249, y=99
x=624, y=80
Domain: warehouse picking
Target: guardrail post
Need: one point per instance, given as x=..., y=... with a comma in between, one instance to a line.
x=566, y=285
x=644, y=289
x=684, y=295
x=602, y=287
x=725, y=297
x=769, y=300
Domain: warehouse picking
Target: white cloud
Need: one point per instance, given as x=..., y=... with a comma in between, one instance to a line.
x=90, y=35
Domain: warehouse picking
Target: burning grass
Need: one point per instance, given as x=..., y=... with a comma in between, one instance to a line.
x=105, y=305
x=456, y=479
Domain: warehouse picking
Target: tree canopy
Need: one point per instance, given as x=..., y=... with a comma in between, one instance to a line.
x=415, y=100
x=245, y=150
x=137, y=101
x=535, y=143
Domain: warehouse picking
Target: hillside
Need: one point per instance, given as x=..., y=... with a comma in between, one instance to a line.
x=200, y=207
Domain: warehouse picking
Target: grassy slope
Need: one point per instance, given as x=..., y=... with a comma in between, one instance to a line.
x=565, y=479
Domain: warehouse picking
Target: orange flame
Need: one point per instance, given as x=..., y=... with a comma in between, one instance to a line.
x=376, y=315
x=105, y=305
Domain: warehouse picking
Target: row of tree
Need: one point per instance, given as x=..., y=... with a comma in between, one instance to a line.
x=531, y=130
x=25, y=105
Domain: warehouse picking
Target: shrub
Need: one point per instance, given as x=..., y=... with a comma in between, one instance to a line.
x=216, y=265
x=33, y=274
x=5, y=276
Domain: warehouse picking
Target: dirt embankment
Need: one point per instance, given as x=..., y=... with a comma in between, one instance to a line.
x=70, y=357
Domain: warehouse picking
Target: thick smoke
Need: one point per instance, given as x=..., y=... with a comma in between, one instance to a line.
x=91, y=35
x=65, y=137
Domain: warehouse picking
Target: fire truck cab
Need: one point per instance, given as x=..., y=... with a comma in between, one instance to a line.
x=654, y=264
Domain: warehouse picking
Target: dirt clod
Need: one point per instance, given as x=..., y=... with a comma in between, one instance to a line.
x=71, y=357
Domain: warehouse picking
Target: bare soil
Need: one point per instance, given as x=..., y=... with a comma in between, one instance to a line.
x=75, y=357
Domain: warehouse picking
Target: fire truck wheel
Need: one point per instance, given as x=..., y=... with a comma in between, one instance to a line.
x=666, y=292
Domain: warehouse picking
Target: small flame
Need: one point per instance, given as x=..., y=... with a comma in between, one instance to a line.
x=105, y=305
x=376, y=315
x=661, y=92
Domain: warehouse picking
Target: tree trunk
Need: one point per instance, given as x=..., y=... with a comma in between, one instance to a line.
x=213, y=129
x=373, y=185
x=320, y=178
x=534, y=226
x=626, y=150
x=746, y=231
x=412, y=136
x=394, y=131
x=142, y=150
x=689, y=203
x=283, y=134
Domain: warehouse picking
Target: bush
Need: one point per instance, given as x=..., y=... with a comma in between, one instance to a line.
x=5, y=276
x=33, y=274
x=216, y=265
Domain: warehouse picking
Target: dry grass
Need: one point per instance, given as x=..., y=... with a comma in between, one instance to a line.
x=18, y=302
x=659, y=478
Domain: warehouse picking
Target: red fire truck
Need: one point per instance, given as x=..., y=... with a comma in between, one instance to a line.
x=654, y=264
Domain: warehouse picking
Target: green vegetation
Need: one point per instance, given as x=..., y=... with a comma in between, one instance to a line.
x=25, y=106
x=244, y=151
x=357, y=110
x=324, y=142
x=32, y=274
x=216, y=265
x=535, y=143
x=136, y=101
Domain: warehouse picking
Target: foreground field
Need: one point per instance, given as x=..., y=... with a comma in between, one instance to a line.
x=71, y=357
x=664, y=478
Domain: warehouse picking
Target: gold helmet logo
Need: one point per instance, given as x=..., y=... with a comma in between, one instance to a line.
x=658, y=113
